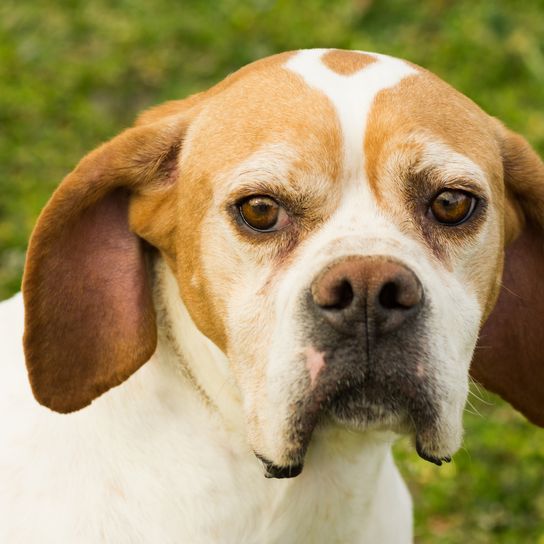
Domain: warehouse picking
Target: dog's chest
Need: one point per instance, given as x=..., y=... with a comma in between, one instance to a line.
x=208, y=492
x=157, y=490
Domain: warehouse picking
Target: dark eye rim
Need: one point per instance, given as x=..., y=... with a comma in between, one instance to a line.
x=242, y=220
x=474, y=204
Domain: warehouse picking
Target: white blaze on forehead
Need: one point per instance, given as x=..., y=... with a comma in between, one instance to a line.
x=351, y=95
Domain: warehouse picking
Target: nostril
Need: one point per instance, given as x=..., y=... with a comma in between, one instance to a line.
x=342, y=296
x=388, y=296
x=400, y=294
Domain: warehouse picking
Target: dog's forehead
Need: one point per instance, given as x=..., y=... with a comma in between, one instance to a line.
x=336, y=111
x=351, y=81
x=264, y=103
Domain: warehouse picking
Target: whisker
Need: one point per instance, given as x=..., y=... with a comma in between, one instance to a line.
x=480, y=395
x=477, y=412
x=510, y=291
x=464, y=448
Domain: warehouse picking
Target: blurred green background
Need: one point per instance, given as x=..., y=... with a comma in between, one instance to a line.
x=74, y=73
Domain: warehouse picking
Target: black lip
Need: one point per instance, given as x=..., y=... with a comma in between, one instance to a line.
x=279, y=472
x=431, y=458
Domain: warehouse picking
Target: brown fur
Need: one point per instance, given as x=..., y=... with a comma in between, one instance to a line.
x=228, y=131
x=89, y=321
x=425, y=103
x=509, y=357
x=346, y=63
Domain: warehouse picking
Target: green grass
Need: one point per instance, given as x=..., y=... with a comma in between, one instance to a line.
x=74, y=73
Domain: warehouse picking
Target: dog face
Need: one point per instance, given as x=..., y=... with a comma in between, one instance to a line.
x=336, y=223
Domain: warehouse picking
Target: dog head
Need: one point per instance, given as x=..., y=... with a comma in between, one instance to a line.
x=336, y=223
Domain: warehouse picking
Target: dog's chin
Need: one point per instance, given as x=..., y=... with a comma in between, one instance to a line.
x=372, y=417
x=426, y=436
x=355, y=414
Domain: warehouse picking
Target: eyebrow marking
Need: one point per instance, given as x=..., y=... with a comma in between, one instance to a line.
x=439, y=157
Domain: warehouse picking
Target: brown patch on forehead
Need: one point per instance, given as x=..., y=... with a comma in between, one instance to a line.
x=269, y=105
x=423, y=103
x=346, y=63
x=176, y=107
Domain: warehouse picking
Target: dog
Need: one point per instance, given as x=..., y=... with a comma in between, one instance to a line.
x=274, y=277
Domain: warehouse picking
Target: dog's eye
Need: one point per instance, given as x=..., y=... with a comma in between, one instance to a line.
x=263, y=213
x=452, y=207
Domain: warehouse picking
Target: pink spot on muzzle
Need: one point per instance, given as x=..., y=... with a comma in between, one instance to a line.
x=315, y=361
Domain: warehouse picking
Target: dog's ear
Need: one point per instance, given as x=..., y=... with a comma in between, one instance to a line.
x=510, y=357
x=89, y=317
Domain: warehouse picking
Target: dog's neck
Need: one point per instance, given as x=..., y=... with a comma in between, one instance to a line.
x=195, y=358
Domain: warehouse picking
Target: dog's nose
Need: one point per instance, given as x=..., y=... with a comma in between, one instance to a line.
x=374, y=290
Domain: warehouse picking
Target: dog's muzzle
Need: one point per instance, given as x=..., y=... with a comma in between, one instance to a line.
x=367, y=357
x=366, y=329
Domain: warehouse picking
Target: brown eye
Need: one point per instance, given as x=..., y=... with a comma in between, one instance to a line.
x=263, y=213
x=452, y=207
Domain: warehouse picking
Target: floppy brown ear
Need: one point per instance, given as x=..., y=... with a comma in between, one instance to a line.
x=89, y=316
x=510, y=357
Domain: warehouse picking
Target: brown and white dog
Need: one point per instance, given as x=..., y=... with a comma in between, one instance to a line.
x=303, y=257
